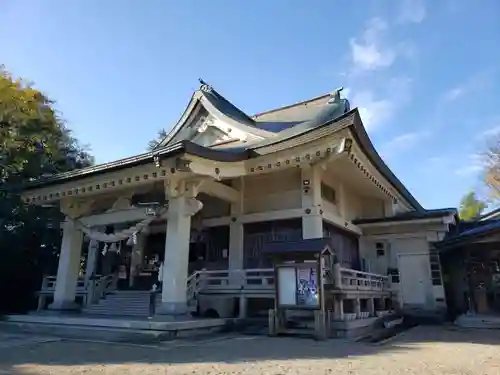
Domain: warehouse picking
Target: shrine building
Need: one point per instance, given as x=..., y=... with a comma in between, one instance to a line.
x=191, y=217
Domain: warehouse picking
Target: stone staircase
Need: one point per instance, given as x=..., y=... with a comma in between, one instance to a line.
x=124, y=303
x=132, y=303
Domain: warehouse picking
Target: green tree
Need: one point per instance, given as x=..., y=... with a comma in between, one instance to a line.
x=33, y=142
x=471, y=207
x=156, y=142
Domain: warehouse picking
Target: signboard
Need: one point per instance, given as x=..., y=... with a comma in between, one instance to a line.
x=307, y=287
x=298, y=287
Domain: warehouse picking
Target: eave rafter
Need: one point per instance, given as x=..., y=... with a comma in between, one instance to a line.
x=111, y=182
x=300, y=156
x=359, y=160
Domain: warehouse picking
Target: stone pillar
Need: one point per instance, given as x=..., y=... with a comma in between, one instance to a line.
x=371, y=306
x=338, y=308
x=136, y=256
x=92, y=255
x=312, y=218
x=357, y=307
x=175, y=266
x=236, y=238
x=243, y=306
x=67, y=271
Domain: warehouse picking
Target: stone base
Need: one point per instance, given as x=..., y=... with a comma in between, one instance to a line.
x=174, y=309
x=64, y=306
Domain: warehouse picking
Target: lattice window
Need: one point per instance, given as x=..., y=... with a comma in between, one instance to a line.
x=256, y=235
x=435, y=267
x=328, y=193
x=344, y=244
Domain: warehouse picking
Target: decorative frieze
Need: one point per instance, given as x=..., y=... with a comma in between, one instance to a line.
x=109, y=182
x=300, y=156
x=355, y=159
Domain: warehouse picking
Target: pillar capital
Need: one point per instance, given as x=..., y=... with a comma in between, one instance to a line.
x=75, y=208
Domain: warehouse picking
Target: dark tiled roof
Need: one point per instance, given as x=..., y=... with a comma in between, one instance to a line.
x=406, y=216
x=494, y=214
x=314, y=245
x=226, y=107
x=469, y=231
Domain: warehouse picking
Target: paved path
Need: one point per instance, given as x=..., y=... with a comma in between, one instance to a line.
x=423, y=350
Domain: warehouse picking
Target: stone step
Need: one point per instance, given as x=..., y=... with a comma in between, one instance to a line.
x=130, y=303
x=113, y=334
x=116, y=330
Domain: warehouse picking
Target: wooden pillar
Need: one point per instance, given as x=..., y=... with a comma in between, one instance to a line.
x=471, y=303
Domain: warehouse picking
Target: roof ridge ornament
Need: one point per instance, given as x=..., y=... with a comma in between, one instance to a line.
x=335, y=95
x=205, y=87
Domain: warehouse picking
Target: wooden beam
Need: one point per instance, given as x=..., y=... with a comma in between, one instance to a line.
x=221, y=191
x=115, y=217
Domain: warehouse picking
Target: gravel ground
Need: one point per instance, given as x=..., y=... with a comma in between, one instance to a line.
x=422, y=350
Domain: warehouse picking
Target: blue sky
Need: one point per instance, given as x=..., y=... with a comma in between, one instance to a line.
x=425, y=74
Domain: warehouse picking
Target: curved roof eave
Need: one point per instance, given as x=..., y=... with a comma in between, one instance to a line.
x=195, y=99
x=179, y=148
x=374, y=157
x=215, y=111
x=200, y=96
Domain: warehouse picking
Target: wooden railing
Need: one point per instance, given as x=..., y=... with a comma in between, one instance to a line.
x=95, y=289
x=49, y=284
x=99, y=287
x=247, y=277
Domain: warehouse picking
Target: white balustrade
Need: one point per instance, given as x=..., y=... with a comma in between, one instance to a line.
x=362, y=281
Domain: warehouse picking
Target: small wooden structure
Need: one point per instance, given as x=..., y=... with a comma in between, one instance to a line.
x=302, y=269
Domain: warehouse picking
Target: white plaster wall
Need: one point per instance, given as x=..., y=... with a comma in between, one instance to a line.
x=410, y=246
x=273, y=191
x=394, y=247
x=372, y=207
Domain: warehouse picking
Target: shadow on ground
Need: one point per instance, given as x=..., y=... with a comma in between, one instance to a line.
x=222, y=349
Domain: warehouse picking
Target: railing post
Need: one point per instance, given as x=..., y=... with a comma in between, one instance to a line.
x=89, y=292
x=152, y=301
x=337, y=276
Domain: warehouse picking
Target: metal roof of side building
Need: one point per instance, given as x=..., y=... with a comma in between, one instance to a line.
x=406, y=216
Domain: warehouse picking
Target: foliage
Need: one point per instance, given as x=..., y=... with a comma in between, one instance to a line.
x=156, y=142
x=491, y=160
x=33, y=142
x=471, y=207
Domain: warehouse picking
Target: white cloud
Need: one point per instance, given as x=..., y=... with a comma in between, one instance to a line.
x=453, y=94
x=492, y=132
x=404, y=142
x=473, y=164
x=373, y=111
x=369, y=52
x=468, y=170
x=374, y=108
x=411, y=11
x=474, y=83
